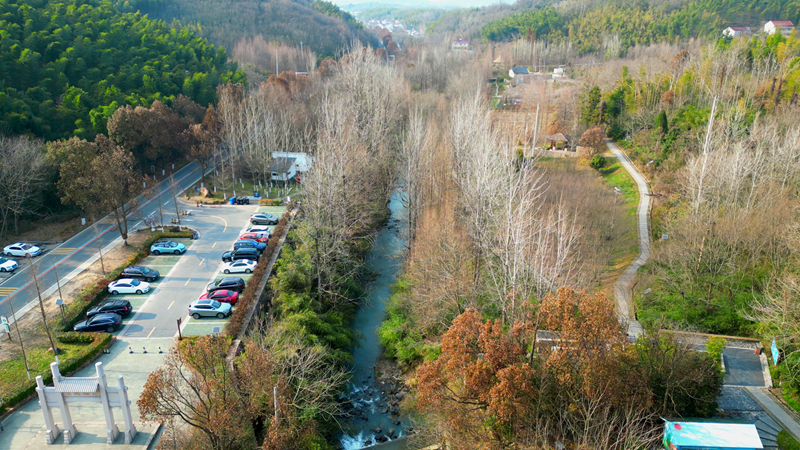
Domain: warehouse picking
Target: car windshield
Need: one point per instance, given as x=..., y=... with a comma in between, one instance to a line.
x=136, y=282
x=215, y=304
x=3, y=260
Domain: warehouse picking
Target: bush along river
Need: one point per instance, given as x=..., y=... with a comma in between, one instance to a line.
x=372, y=406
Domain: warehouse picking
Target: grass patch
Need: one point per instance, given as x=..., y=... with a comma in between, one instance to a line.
x=616, y=176
x=787, y=442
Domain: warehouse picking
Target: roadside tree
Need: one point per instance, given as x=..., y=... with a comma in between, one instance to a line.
x=594, y=139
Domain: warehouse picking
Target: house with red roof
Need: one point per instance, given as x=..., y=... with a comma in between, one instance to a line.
x=786, y=27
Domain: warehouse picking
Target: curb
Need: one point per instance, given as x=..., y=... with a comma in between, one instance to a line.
x=153, y=436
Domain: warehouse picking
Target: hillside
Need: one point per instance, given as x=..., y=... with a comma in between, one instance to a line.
x=65, y=66
x=320, y=25
x=592, y=27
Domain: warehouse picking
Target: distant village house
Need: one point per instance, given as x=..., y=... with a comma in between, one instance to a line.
x=517, y=71
x=735, y=32
x=286, y=166
x=556, y=142
x=786, y=27
x=460, y=45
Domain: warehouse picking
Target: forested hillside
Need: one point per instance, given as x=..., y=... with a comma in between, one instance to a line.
x=66, y=66
x=322, y=26
x=593, y=28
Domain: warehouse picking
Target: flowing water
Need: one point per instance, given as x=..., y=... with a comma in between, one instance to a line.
x=371, y=409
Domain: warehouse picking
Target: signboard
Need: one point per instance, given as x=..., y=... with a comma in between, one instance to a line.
x=59, y=301
x=775, y=352
x=4, y=320
x=6, y=329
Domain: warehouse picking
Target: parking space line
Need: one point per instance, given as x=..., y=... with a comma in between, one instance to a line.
x=214, y=245
x=187, y=281
x=170, y=305
x=151, y=332
x=149, y=297
x=201, y=261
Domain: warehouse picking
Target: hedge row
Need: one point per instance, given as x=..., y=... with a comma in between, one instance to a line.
x=250, y=294
x=67, y=365
x=270, y=202
x=92, y=295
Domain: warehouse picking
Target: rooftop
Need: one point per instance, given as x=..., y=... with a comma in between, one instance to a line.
x=782, y=23
x=716, y=435
x=282, y=165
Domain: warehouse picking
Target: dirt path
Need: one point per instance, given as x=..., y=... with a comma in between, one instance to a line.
x=622, y=290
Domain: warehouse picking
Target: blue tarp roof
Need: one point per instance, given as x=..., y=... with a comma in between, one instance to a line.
x=711, y=435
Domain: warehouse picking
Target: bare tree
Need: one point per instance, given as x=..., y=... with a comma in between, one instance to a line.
x=22, y=177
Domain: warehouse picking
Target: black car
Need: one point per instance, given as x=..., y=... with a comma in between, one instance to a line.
x=101, y=322
x=249, y=243
x=141, y=272
x=121, y=307
x=228, y=284
x=241, y=253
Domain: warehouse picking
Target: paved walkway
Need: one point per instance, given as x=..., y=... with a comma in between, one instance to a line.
x=785, y=419
x=622, y=290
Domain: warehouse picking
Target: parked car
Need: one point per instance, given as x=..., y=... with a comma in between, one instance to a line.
x=230, y=283
x=258, y=236
x=209, y=308
x=167, y=247
x=223, y=296
x=242, y=265
x=141, y=272
x=101, y=322
x=128, y=286
x=259, y=229
x=22, y=249
x=8, y=265
x=241, y=253
x=263, y=219
x=247, y=243
x=121, y=307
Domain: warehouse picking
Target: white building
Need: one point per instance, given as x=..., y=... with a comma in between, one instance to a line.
x=460, y=45
x=283, y=169
x=735, y=32
x=786, y=26
x=303, y=162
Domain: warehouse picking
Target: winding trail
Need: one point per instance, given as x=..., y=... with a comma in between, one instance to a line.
x=622, y=290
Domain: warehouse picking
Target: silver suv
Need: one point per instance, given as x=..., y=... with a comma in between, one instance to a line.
x=209, y=308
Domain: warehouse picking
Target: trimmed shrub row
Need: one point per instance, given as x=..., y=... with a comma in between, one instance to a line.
x=67, y=365
x=94, y=294
x=250, y=294
x=270, y=202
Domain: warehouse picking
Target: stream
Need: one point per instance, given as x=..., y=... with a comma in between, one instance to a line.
x=373, y=414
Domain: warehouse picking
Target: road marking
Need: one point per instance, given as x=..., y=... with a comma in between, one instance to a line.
x=214, y=245
x=223, y=220
x=151, y=332
x=62, y=251
x=201, y=261
x=170, y=305
x=187, y=281
x=7, y=290
x=167, y=202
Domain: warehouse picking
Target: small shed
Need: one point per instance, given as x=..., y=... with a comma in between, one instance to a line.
x=517, y=71
x=283, y=169
x=711, y=435
x=303, y=162
x=556, y=141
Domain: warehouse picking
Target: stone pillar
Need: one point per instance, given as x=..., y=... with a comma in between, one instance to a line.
x=52, y=430
x=111, y=427
x=130, y=429
x=66, y=416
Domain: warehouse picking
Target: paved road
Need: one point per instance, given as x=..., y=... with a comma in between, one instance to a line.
x=622, y=290
x=219, y=227
x=73, y=256
x=743, y=367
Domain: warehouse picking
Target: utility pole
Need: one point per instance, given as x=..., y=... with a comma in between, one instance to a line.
x=41, y=307
x=99, y=249
x=536, y=128
x=276, y=62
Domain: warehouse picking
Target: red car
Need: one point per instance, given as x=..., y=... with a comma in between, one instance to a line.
x=260, y=236
x=221, y=296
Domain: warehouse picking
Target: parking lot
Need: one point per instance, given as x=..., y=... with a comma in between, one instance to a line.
x=184, y=277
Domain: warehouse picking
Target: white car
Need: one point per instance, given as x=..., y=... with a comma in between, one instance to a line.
x=8, y=265
x=128, y=286
x=239, y=266
x=22, y=249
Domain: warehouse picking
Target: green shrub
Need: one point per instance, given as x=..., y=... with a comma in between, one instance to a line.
x=715, y=346
x=270, y=202
x=787, y=442
x=597, y=162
